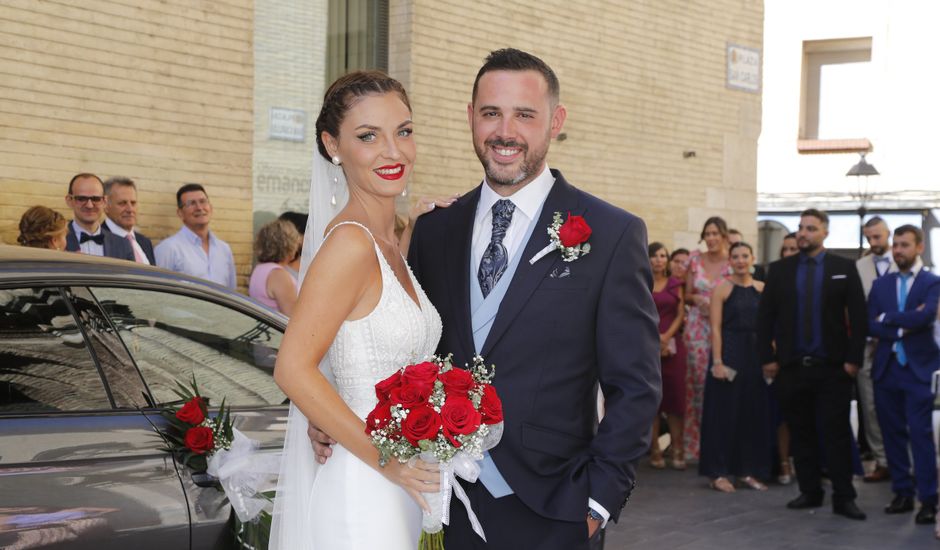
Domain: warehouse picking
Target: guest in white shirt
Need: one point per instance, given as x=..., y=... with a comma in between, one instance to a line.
x=87, y=201
x=121, y=220
x=195, y=250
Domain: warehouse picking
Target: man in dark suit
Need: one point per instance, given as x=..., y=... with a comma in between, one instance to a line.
x=121, y=220
x=808, y=300
x=902, y=308
x=556, y=323
x=86, y=199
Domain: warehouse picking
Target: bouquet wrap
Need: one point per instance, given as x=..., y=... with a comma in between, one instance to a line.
x=465, y=466
x=242, y=471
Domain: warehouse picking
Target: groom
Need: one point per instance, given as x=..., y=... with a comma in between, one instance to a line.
x=554, y=329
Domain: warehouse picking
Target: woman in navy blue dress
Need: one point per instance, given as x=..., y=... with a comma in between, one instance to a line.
x=735, y=415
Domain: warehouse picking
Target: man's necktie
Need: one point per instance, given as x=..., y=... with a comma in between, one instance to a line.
x=137, y=255
x=99, y=238
x=495, y=257
x=902, y=297
x=809, y=286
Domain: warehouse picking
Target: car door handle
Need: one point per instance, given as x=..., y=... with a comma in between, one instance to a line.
x=202, y=479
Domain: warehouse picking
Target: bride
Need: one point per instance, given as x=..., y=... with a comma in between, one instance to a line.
x=361, y=316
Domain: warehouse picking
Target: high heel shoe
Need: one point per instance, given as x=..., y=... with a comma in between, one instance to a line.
x=753, y=483
x=676, y=462
x=721, y=484
x=656, y=460
x=786, y=473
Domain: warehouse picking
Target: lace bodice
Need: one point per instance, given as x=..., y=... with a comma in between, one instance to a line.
x=396, y=333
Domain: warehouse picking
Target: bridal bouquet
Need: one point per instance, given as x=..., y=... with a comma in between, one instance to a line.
x=441, y=414
x=213, y=446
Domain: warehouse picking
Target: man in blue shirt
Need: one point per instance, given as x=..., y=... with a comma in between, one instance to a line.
x=811, y=329
x=194, y=249
x=902, y=308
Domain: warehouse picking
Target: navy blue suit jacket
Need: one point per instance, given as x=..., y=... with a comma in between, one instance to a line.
x=114, y=246
x=554, y=339
x=919, y=345
x=145, y=244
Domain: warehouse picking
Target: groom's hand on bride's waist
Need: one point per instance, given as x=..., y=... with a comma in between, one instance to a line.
x=321, y=443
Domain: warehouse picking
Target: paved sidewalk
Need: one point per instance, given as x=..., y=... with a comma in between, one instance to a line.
x=671, y=509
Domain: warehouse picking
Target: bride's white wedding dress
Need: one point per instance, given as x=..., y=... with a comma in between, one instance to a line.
x=349, y=505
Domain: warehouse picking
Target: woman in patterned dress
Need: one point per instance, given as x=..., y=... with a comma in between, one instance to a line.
x=706, y=271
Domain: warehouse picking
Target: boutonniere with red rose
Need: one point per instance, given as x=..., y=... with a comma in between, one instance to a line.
x=212, y=445
x=441, y=414
x=569, y=236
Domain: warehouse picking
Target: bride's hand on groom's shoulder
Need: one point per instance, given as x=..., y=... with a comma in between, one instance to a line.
x=415, y=477
x=427, y=204
x=322, y=443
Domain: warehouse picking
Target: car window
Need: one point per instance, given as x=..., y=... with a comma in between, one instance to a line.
x=173, y=337
x=44, y=362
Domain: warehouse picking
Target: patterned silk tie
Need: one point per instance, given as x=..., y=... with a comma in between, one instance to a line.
x=496, y=258
x=902, y=298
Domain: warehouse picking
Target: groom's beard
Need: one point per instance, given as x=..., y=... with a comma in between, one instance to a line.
x=526, y=170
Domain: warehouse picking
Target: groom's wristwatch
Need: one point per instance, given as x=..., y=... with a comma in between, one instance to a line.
x=595, y=515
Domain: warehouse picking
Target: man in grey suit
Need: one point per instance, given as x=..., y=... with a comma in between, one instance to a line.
x=870, y=267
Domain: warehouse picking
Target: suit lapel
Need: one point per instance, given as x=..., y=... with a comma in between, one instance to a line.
x=915, y=288
x=457, y=261
x=71, y=240
x=562, y=198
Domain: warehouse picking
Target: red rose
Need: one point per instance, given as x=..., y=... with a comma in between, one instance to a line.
x=199, y=440
x=410, y=396
x=491, y=408
x=422, y=374
x=380, y=417
x=422, y=423
x=574, y=231
x=459, y=417
x=192, y=412
x=383, y=388
x=457, y=382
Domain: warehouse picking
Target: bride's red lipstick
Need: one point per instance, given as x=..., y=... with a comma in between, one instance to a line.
x=391, y=171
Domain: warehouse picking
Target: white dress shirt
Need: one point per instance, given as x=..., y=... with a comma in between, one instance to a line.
x=528, y=201
x=88, y=247
x=120, y=232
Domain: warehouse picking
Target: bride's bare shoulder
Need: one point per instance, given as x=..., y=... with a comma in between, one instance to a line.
x=346, y=244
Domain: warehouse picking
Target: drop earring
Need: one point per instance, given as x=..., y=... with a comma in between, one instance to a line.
x=404, y=192
x=336, y=162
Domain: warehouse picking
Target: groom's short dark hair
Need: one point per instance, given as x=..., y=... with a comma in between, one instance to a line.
x=511, y=59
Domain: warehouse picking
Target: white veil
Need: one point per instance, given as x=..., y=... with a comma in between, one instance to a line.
x=290, y=529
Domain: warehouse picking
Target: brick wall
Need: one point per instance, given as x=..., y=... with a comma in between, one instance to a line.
x=642, y=81
x=160, y=92
x=178, y=91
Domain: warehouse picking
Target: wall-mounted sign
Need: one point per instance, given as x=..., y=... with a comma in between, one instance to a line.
x=287, y=124
x=743, y=68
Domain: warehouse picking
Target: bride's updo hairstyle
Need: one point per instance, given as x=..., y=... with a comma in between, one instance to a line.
x=346, y=92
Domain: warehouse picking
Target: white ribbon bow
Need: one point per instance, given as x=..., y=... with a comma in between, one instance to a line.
x=465, y=466
x=242, y=471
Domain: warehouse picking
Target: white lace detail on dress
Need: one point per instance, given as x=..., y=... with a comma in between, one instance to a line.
x=396, y=333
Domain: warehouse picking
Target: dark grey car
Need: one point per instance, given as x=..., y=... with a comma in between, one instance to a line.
x=90, y=349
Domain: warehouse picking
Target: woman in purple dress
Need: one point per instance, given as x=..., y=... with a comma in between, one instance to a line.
x=670, y=302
